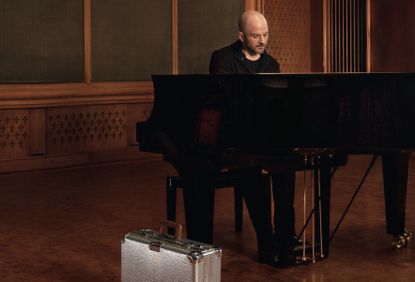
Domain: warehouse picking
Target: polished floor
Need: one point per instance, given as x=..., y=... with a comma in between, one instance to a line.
x=66, y=225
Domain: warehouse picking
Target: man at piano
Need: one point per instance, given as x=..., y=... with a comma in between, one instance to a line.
x=198, y=171
x=248, y=56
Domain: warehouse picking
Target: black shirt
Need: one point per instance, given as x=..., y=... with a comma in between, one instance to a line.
x=231, y=60
x=253, y=66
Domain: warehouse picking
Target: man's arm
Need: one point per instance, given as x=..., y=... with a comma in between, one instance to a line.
x=219, y=64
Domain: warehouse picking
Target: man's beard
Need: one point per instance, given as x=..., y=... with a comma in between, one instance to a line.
x=254, y=51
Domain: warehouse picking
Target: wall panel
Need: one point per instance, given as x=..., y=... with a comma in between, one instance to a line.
x=41, y=41
x=14, y=134
x=205, y=26
x=82, y=129
x=290, y=33
x=130, y=40
x=47, y=120
x=392, y=35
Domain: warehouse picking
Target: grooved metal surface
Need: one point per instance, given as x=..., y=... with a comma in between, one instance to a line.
x=171, y=262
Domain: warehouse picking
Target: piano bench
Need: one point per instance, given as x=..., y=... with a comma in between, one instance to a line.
x=224, y=180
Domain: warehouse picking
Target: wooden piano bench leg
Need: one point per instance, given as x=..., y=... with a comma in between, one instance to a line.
x=174, y=182
x=171, y=197
x=238, y=207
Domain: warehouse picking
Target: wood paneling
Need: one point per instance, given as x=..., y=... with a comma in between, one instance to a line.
x=14, y=134
x=48, y=95
x=392, y=35
x=257, y=5
x=37, y=132
x=37, y=136
x=290, y=33
x=97, y=57
x=316, y=38
x=89, y=128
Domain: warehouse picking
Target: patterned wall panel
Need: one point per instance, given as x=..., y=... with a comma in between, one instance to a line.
x=14, y=134
x=289, y=42
x=82, y=129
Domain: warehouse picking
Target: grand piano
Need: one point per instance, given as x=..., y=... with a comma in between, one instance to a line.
x=261, y=117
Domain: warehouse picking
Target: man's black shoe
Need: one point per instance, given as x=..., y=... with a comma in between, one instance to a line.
x=268, y=258
x=273, y=260
x=298, y=246
x=295, y=241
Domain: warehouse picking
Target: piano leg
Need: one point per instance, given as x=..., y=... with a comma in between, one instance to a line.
x=395, y=177
x=199, y=198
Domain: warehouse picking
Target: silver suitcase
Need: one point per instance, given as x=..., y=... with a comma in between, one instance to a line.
x=147, y=255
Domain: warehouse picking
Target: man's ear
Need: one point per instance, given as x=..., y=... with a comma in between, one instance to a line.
x=241, y=36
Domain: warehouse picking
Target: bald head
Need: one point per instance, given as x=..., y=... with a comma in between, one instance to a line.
x=250, y=19
x=253, y=33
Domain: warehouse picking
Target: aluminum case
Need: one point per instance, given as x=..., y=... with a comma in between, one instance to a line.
x=147, y=255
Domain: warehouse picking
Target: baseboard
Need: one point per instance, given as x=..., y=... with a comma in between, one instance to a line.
x=79, y=159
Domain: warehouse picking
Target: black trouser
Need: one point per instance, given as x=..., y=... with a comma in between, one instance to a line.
x=257, y=198
x=283, y=187
x=395, y=177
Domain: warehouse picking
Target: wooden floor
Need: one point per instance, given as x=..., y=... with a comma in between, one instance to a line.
x=66, y=225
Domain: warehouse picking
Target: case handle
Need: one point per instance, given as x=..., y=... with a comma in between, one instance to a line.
x=177, y=226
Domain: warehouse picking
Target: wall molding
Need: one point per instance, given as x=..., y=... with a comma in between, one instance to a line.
x=16, y=96
x=257, y=5
x=76, y=160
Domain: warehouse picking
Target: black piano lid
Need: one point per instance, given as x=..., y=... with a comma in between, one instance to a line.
x=353, y=111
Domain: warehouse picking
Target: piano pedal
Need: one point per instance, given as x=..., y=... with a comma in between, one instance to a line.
x=407, y=235
x=401, y=240
x=307, y=257
x=303, y=260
